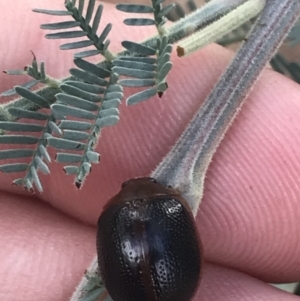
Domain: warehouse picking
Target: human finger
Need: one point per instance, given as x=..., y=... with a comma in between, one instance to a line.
x=221, y=283
x=44, y=253
x=147, y=131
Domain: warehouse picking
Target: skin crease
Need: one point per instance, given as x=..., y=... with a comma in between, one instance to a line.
x=249, y=217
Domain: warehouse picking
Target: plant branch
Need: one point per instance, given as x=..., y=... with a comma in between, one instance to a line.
x=201, y=18
x=185, y=165
x=220, y=28
x=179, y=30
x=87, y=283
x=23, y=103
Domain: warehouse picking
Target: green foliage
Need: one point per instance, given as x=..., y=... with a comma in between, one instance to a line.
x=87, y=29
x=33, y=71
x=96, y=103
x=39, y=155
x=88, y=101
x=144, y=70
x=279, y=63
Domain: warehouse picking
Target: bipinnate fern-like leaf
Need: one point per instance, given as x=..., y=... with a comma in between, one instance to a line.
x=94, y=101
x=89, y=101
x=16, y=133
x=85, y=27
x=38, y=75
x=144, y=71
x=157, y=10
x=145, y=67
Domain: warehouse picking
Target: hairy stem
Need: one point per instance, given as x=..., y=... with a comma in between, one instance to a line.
x=201, y=18
x=79, y=292
x=23, y=103
x=179, y=30
x=220, y=28
x=185, y=165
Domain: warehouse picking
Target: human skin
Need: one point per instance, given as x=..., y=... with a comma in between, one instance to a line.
x=249, y=216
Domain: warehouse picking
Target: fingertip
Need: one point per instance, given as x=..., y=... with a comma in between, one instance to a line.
x=220, y=283
x=249, y=213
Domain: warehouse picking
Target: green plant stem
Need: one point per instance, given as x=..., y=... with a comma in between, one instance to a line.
x=179, y=30
x=22, y=103
x=185, y=165
x=51, y=82
x=188, y=160
x=221, y=27
x=84, y=281
x=238, y=35
x=201, y=18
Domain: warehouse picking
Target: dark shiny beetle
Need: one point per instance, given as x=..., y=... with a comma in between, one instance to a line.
x=148, y=245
